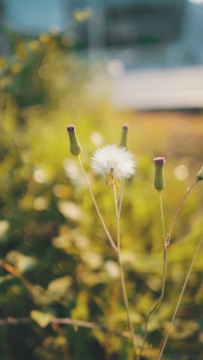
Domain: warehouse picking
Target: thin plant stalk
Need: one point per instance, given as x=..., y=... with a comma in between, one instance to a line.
x=67, y=321
x=130, y=324
x=179, y=207
x=96, y=207
x=163, y=277
x=181, y=295
x=121, y=197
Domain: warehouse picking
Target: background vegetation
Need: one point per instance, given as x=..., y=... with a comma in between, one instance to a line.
x=61, y=263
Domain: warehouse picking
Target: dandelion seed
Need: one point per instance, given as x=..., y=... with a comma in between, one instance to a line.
x=113, y=163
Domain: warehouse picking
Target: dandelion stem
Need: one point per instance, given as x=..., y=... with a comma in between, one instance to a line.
x=121, y=196
x=181, y=294
x=163, y=277
x=125, y=298
x=96, y=207
x=179, y=207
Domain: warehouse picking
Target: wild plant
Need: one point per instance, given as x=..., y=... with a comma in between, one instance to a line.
x=115, y=165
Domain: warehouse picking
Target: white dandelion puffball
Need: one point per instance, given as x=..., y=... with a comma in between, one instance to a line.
x=112, y=162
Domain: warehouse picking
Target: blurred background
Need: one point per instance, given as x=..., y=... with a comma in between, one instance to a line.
x=98, y=65
x=163, y=38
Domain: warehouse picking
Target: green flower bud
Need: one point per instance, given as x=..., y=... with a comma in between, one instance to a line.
x=159, y=182
x=200, y=175
x=75, y=147
x=123, y=142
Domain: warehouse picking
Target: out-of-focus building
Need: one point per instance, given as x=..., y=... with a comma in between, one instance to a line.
x=148, y=32
x=139, y=32
x=129, y=35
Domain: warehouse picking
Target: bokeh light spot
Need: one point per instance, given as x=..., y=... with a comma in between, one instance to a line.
x=46, y=71
x=82, y=15
x=39, y=175
x=44, y=38
x=16, y=68
x=41, y=203
x=96, y=138
x=70, y=210
x=112, y=269
x=115, y=67
x=34, y=45
x=71, y=168
x=181, y=172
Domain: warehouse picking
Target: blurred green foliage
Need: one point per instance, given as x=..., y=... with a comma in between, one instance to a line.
x=50, y=233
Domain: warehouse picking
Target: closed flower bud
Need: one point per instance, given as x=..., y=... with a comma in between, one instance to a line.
x=159, y=182
x=75, y=147
x=123, y=142
x=200, y=175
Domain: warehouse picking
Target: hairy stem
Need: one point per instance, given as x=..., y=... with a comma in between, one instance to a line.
x=163, y=278
x=181, y=295
x=121, y=196
x=179, y=207
x=125, y=298
x=111, y=242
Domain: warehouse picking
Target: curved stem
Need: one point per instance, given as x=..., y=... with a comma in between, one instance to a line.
x=130, y=324
x=163, y=277
x=111, y=242
x=178, y=209
x=181, y=295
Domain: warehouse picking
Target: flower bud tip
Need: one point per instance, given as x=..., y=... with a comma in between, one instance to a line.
x=200, y=175
x=159, y=160
x=75, y=147
x=71, y=128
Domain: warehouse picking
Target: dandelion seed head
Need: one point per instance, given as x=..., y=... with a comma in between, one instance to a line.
x=112, y=162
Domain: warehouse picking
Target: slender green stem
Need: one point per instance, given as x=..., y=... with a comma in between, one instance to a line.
x=181, y=295
x=163, y=278
x=179, y=207
x=111, y=242
x=162, y=216
x=130, y=324
x=121, y=196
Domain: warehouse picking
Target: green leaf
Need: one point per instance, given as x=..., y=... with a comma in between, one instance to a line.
x=41, y=318
x=22, y=262
x=60, y=286
x=7, y=277
x=81, y=311
x=4, y=227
